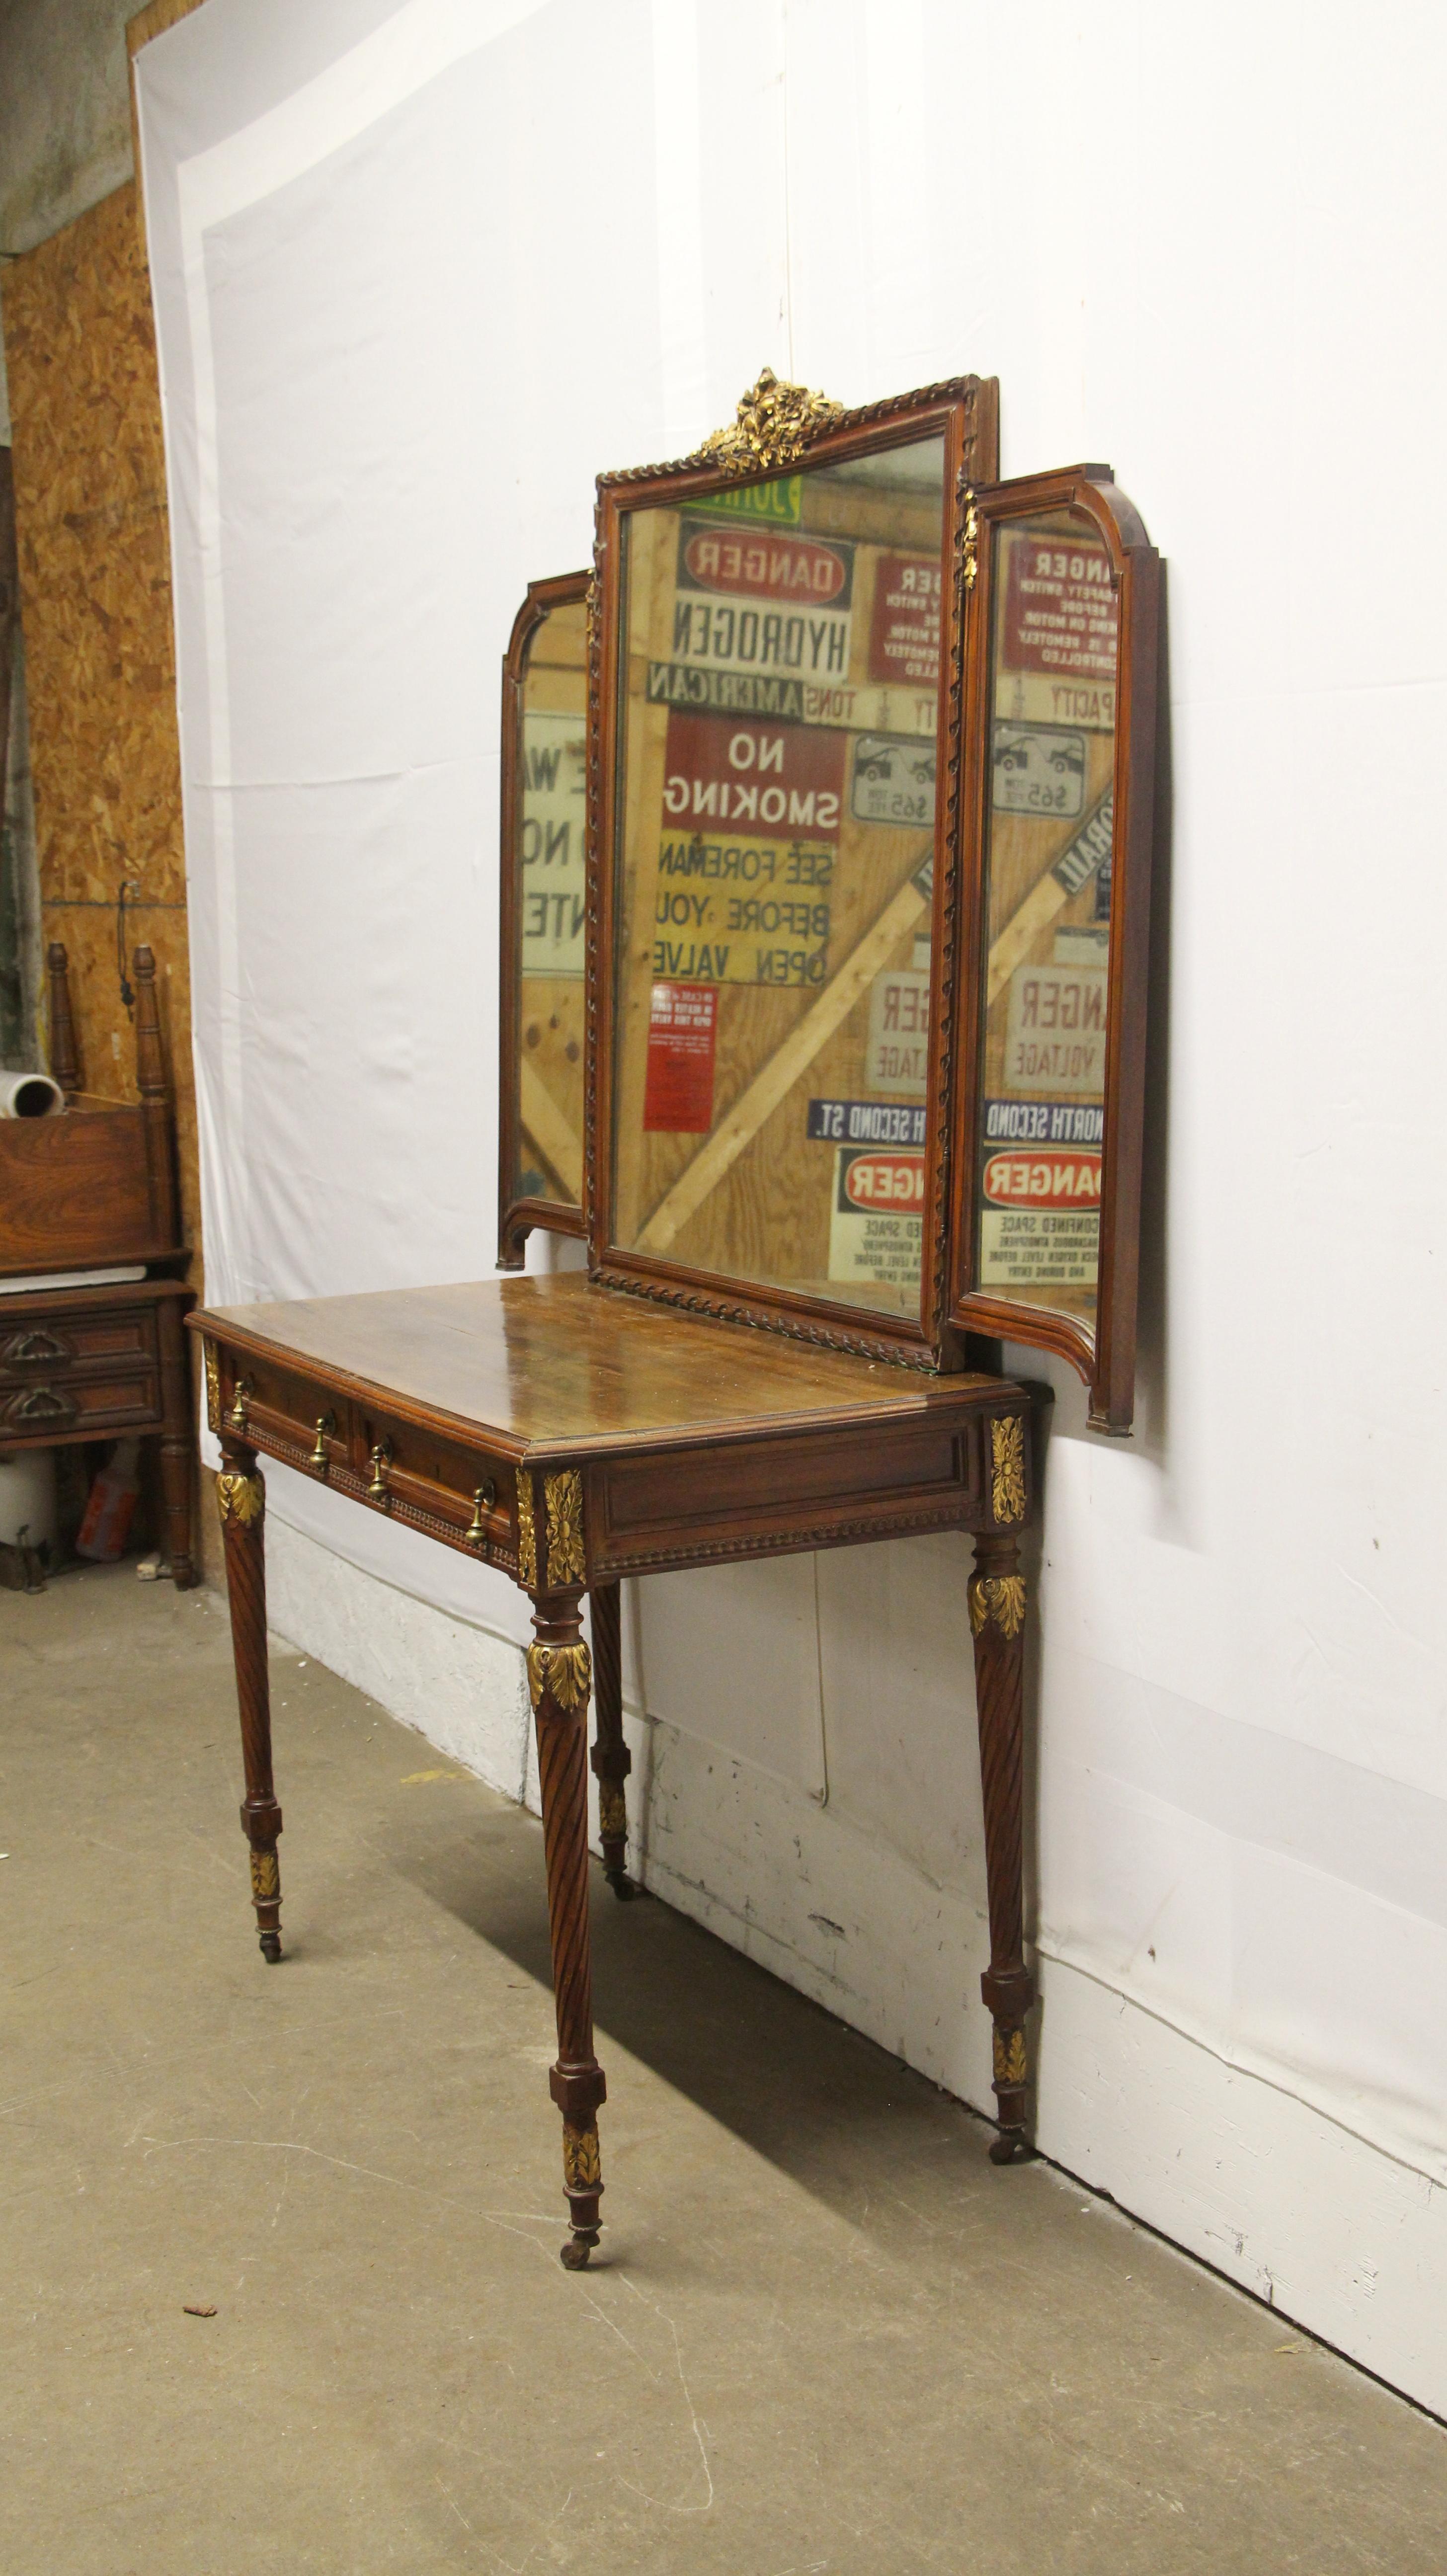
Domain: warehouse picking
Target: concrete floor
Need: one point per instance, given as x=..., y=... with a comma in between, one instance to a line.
x=825, y=2335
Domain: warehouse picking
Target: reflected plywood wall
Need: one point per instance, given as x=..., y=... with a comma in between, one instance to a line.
x=95, y=598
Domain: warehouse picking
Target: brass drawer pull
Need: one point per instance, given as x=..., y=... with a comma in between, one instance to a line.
x=482, y=1501
x=326, y=1429
x=381, y=1461
x=41, y=1404
x=236, y=1418
x=38, y=1349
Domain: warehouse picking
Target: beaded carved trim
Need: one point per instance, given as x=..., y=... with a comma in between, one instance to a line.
x=867, y=416
x=696, y=1301
x=715, y=1551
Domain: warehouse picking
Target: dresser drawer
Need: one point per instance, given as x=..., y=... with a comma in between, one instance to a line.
x=283, y=1414
x=436, y=1476
x=45, y=1348
x=419, y=1476
x=89, y=1405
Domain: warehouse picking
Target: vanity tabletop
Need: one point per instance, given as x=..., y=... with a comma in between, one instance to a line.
x=561, y=1364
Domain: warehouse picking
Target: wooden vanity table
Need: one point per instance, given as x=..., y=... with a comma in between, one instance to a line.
x=826, y=828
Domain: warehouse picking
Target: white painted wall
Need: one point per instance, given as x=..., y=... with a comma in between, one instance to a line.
x=420, y=271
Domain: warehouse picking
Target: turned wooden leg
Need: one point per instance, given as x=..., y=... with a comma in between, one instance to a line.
x=997, y=1621
x=177, y=1444
x=558, y=1679
x=241, y=1501
x=610, y=1756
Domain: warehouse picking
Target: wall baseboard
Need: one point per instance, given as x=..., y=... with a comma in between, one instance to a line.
x=1338, y=2234
x=460, y=1686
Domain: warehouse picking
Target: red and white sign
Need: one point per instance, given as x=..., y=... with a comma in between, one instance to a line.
x=1043, y=1180
x=748, y=565
x=904, y=632
x=1061, y=615
x=780, y=780
x=894, y=1181
x=876, y=1222
x=678, y=1081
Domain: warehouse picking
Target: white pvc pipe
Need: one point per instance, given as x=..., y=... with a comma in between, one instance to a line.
x=27, y=1498
x=29, y=1095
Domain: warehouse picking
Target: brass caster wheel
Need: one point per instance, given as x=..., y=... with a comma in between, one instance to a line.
x=1012, y=2147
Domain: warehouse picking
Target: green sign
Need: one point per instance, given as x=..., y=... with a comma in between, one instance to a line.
x=777, y=504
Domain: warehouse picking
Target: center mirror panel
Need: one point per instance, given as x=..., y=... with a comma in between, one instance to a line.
x=779, y=684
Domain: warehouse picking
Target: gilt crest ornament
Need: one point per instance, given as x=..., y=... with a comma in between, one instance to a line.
x=774, y=424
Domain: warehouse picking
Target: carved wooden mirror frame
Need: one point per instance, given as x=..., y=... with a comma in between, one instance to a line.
x=780, y=427
x=518, y=1216
x=1104, y=1356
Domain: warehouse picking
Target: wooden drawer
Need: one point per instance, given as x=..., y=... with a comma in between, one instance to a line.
x=805, y=1491
x=423, y=1478
x=436, y=1476
x=48, y=1347
x=93, y=1405
x=282, y=1413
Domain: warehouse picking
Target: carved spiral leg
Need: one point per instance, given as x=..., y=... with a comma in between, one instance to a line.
x=241, y=1500
x=610, y=1756
x=177, y=1445
x=558, y=1679
x=997, y=1619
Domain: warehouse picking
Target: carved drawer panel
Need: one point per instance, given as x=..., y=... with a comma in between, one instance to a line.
x=54, y=1346
x=420, y=1478
x=80, y=1407
x=813, y=1491
x=289, y=1417
x=402, y=1464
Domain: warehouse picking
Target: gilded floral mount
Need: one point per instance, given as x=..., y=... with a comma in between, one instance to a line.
x=774, y=424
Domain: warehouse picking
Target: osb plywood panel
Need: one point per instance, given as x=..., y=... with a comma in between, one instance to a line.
x=94, y=561
x=95, y=595
x=154, y=21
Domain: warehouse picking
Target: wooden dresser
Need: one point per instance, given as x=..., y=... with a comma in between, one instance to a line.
x=91, y=1190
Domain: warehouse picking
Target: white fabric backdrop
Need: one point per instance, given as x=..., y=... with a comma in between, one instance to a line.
x=420, y=271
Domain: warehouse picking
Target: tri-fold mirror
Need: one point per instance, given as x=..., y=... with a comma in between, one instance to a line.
x=838, y=1027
